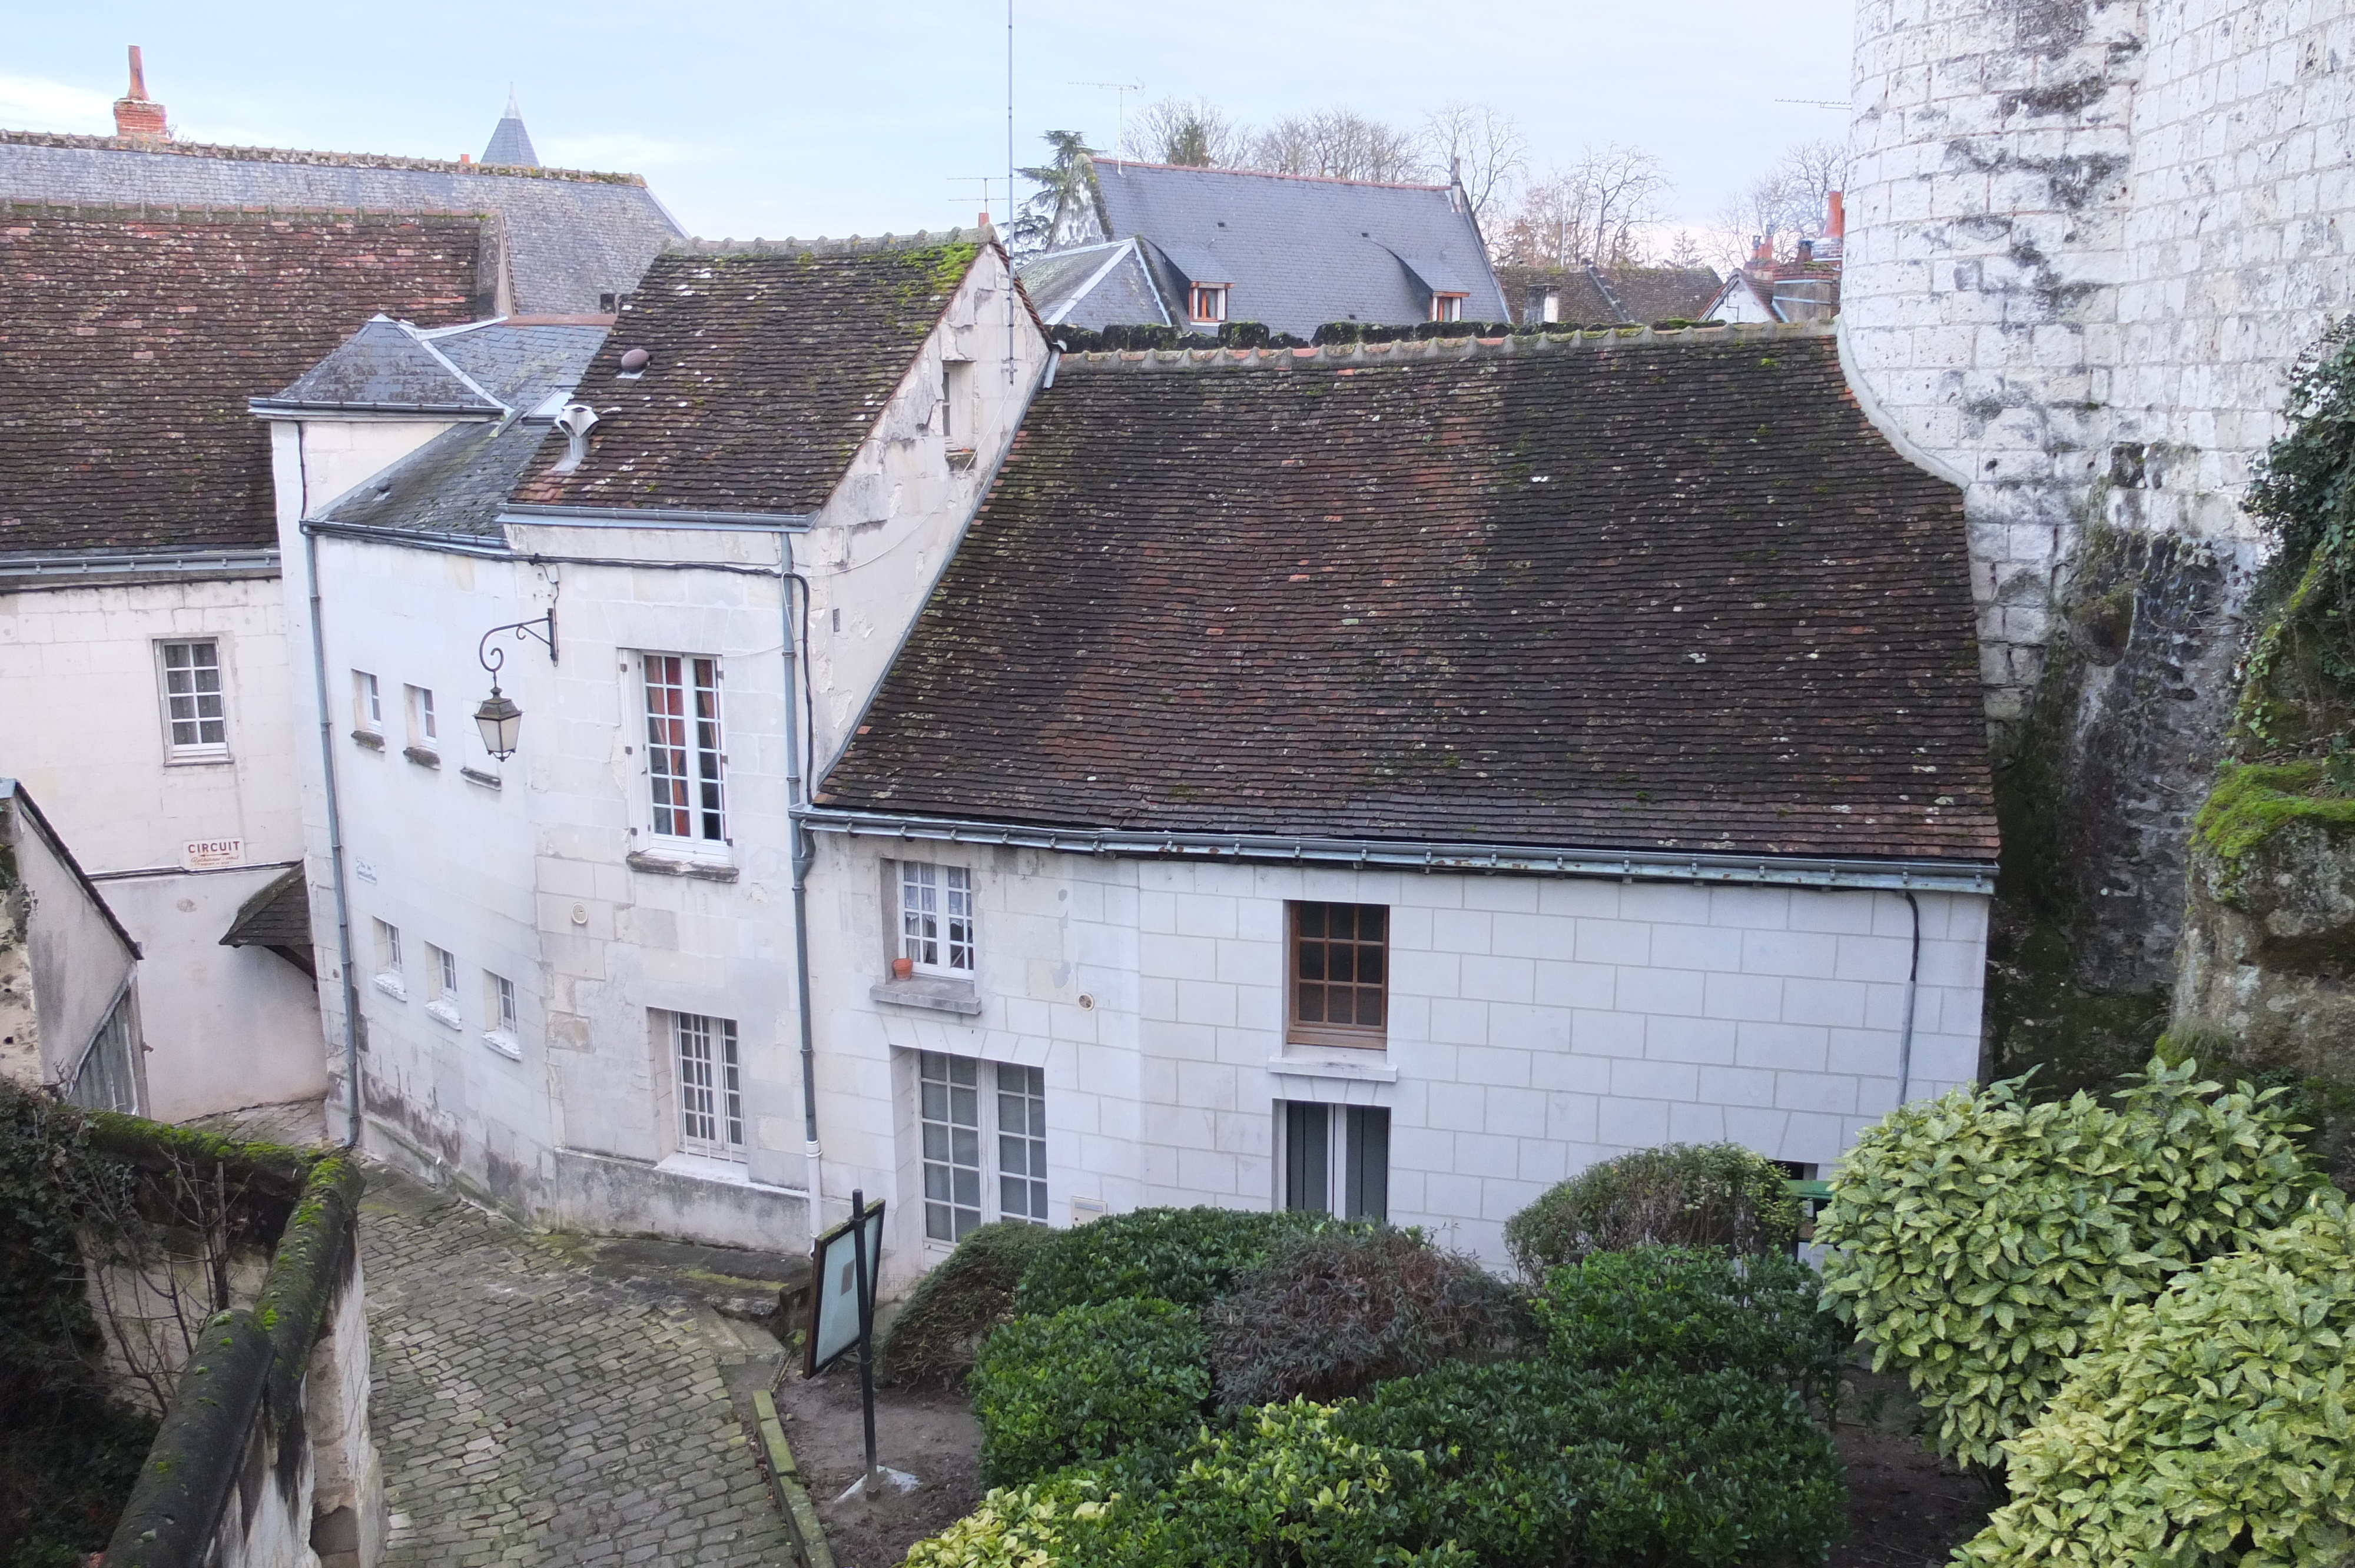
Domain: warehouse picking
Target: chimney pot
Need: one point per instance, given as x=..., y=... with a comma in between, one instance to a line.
x=1807, y=251
x=137, y=116
x=466, y=158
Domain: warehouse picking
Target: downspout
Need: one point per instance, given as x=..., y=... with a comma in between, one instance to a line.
x=1905, y=1026
x=805, y=850
x=334, y=816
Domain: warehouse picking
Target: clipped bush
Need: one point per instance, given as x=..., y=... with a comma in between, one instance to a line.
x=1514, y=1465
x=1332, y=1312
x=1085, y=1383
x=1681, y=1309
x=2213, y=1424
x=1974, y=1238
x=1185, y=1256
x=939, y=1332
x=1686, y=1194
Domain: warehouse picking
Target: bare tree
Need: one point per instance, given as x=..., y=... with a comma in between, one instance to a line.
x=1595, y=210
x=1481, y=145
x=1789, y=202
x=1194, y=132
x=1337, y=144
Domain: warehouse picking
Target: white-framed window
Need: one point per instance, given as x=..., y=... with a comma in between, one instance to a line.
x=499, y=1003
x=685, y=756
x=368, y=703
x=1210, y=302
x=1336, y=1158
x=195, y=711
x=957, y=420
x=936, y=918
x=711, y=1085
x=442, y=975
x=424, y=730
x=974, y=1140
x=389, y=978
x=1447, y=307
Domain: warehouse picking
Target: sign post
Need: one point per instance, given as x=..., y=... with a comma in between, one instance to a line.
x=846, y=1267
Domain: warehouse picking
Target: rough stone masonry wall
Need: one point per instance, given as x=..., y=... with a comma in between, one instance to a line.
x=2088, y=240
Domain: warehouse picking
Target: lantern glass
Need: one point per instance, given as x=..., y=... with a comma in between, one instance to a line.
x=501, y=723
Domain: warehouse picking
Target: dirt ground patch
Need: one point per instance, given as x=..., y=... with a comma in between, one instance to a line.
x=929, y=1432
x=1906, y=1507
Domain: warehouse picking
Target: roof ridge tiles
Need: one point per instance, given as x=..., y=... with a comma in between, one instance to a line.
x=304, y=155
x=1440, y=348
x=1273, y=175
x=855, y=245
x=224, y=212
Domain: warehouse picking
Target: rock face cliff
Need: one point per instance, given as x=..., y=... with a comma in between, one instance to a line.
x=2087, y=241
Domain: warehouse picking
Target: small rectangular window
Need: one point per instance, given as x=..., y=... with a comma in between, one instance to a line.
x=936, y=917
x=368, y=703
x=950, y=1090
x=684, y=758
x=388, y=977
x=424, y=733
x=195, y=717
x=503, y=1002
x=443, y=965
x=711, y=1085
x=956, y=402
x=1447, y=307
x=1339, y=979
x=1336, y=1159
x=1210, y=302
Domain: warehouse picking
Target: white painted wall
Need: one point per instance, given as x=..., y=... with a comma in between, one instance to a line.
x=82, y=724
x=63, y=965
x=1537, y=1025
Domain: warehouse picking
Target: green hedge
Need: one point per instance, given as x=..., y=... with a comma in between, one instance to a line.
x=937, y=1334
x=1185, y=1256
x=1710, y=1194
x=1504, y=1466
x=1681, y=1309
x=2214, y=1424
x=1088, y=1382
x=1974, y=1239
x=1332, y=1312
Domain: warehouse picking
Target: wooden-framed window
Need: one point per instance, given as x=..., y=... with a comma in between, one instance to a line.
x=711, y=1085
x=442, y=980
x=1339, y=990
x=1210, y=302
x=368, y=703
x=389, y=976
x=1447, y=307
x=684, y=754
x=1336, y=1159
x=980, y=1122
x=936, y=933
x=196, y=715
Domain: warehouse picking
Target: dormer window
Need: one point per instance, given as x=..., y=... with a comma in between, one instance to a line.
x=1447, y=307
x=1211, y=303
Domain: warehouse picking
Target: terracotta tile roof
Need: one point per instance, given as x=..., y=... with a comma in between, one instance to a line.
x=1648, y=591
x=769, y=366
x=1592, y=295
x=132, y=341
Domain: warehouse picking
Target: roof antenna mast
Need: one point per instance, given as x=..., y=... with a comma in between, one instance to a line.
x=1008, y=246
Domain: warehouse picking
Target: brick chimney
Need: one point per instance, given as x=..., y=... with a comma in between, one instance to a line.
x=1836, y=219
x=137, y=116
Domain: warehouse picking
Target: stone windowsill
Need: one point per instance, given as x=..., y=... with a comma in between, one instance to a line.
x=392, y=985
x=673, y=865
x=1362, y=1067
x=476, y=776
x=930, y=991
x=369, y=738
x=505, y=1043
x=421, y=756
x=441, y=1010
x=709, y=1168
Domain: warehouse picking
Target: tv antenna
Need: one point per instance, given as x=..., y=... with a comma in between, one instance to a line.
x=1120, y=90
x=1817, y=102
x=985, y=182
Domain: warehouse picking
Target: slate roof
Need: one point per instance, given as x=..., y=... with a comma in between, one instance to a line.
x=278, y=917
x=1648, y=591
x=1097, y=286
x=1299, y=253
x=132, y=342
x=510, y=143
x=571, y=237
x=769, y=367
x=386, y=365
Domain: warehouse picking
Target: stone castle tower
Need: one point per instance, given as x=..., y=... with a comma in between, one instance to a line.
x=2087, y=241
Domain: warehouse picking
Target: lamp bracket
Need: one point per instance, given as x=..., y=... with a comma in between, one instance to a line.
x=542, y=627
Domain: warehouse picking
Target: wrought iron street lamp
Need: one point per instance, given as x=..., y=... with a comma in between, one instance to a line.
x=499, y=719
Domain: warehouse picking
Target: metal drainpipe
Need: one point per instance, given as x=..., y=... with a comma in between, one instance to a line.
x=804, y=853
x=334, y=816
x=1905, y=1029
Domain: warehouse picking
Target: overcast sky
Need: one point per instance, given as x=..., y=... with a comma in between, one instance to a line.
x=846, y=118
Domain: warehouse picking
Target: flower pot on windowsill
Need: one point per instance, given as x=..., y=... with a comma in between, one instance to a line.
x=903, y=967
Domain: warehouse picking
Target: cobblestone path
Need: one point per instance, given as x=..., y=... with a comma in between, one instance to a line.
x=530, y=1412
